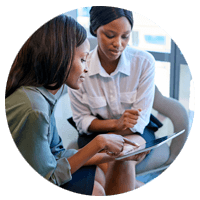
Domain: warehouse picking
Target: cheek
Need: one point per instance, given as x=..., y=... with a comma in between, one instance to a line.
x=125, y=42
x=103, y=44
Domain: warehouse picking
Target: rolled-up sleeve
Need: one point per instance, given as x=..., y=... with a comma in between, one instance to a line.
x=81, y=112
x=145, y=96
x=32, y=140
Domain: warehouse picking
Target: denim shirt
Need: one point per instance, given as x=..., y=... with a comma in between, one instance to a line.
x=30, y=116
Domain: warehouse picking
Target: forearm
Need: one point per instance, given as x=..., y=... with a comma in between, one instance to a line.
x=85, y=154
x=102, y=126
x=125, y=132
x=106, y=126
x=99, y=158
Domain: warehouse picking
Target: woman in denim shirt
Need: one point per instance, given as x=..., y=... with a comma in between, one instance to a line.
x=53, y=56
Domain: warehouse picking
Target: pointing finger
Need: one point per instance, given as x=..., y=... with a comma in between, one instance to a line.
x=127, y=141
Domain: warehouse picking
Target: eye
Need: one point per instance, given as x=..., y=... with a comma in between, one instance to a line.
x=109, y=36
x=83, y=60
x=125, y=36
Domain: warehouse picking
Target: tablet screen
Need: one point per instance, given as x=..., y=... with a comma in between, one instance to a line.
x=150, y=145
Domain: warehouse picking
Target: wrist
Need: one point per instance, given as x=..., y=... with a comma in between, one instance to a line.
x=115, y=125
x=100, y=142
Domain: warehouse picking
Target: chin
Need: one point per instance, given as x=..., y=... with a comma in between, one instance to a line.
x=112, y=57
x=74, y=87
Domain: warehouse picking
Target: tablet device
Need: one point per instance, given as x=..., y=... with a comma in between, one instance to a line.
x=150, y=145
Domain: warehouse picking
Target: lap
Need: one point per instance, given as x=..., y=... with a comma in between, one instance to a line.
x=136, y=138
x=82, y=180
x=148, y=133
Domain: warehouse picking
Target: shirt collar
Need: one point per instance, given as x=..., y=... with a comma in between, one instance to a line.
x=96, y=68
x=49, y=96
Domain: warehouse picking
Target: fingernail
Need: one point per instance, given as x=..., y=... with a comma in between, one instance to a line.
x=137, y=144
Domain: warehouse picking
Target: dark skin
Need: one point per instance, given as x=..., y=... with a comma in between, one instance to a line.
x=119, y=175
x=112, y=40
x=89, y=155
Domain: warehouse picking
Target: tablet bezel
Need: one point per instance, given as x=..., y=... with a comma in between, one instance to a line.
x=152, y=147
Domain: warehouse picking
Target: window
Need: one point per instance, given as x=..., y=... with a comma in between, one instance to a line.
x=173, y=76
x=149, y=36
x=83, y=18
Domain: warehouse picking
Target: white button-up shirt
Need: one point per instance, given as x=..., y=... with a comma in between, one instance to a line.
x=130, y=86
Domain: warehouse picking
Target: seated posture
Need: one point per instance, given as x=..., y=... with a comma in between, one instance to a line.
x=117, y=94
x=55, y=55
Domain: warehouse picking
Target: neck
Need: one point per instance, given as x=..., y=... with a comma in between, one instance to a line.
x=53, y=91
x=108, y=65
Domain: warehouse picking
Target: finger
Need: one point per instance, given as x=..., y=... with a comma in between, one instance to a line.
x=129, y=123
x=133, y=111
x=127, y=141
x=129, y=115
x=112, y=153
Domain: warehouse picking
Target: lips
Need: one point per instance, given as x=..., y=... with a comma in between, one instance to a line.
x=115, y=51
x=82, y=78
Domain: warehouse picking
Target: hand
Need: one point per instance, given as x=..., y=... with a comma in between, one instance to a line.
x=114, y=144
x=137, y=157
x=128, y=119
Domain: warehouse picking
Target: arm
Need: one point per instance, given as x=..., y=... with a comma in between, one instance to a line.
x=32, y=140
x=137, y=117
x=86, y=122
x=33, y=143
x=84, y=113
x=89, y=155
x=145, y=95
x=92, y=157
x=119, y=126
x=83, y=155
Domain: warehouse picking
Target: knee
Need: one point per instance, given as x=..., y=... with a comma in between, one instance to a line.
x=127, y=163
x=124, y=166
x=98, y=190
x=100, y=177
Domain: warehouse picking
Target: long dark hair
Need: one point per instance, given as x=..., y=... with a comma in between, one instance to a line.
x=47, y=56
x=102, y=15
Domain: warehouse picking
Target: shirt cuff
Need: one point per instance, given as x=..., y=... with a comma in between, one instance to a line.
x=62, y=173
x=87, y=120
x=139, y=127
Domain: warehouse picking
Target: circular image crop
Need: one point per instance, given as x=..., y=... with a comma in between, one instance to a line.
x=99, y=100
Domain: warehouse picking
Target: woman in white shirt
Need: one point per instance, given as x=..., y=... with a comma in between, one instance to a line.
x=118, y=91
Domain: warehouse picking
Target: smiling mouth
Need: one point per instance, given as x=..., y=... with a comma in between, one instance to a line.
x=82, y=78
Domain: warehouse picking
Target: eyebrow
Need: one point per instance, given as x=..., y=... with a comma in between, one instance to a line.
x=86, y=52
x=116, y=32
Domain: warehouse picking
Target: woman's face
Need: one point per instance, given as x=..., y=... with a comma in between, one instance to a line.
x=113, y=38
x=79, y=68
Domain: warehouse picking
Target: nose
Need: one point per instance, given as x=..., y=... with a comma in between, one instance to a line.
x=86, y=69
x=117, y=43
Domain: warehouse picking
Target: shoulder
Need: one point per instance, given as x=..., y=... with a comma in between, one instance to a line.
x=36, y=100
x=26, y=106
x=27, y=99
x=133, y=53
